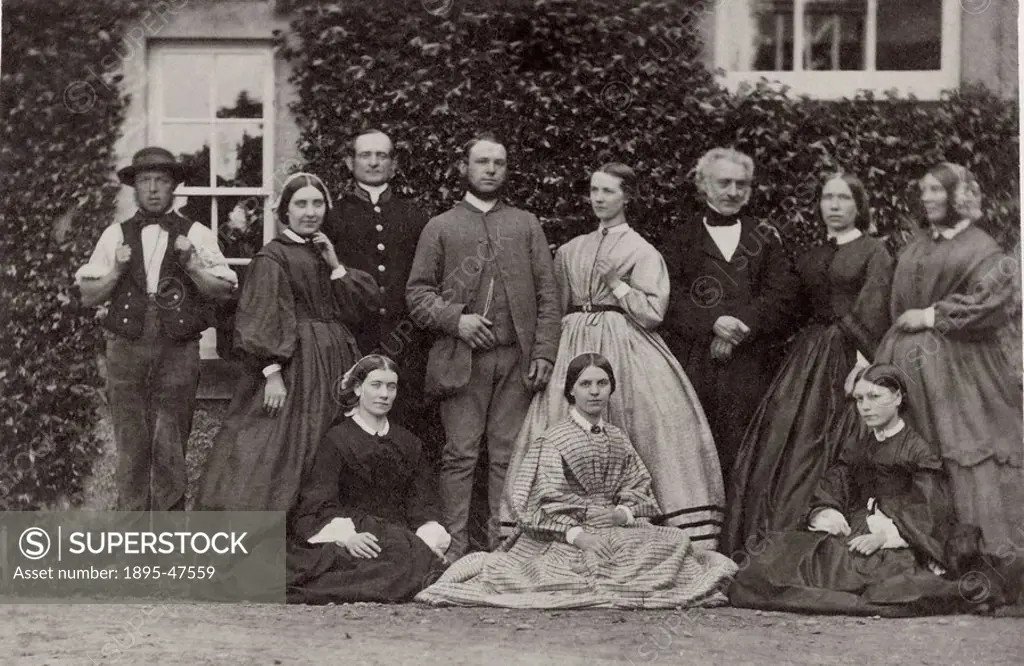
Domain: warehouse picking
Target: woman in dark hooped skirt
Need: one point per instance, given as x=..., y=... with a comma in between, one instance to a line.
x=874, y=537
x=291, y=329
x=801, y=424
x=365, y=528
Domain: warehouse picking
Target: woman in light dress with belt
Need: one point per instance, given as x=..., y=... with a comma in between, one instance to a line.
x=614, y=291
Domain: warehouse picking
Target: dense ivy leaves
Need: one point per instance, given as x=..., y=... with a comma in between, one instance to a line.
x=62, y=113
x=574, y=83
x=569, y=83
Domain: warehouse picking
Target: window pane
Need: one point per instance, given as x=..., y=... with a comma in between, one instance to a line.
x=774, y=40
x=757, y=34
x=834, y=35
x=186, y=85
x=240, y=86
x=239, y=154
x=191, y=143
x=910, y=35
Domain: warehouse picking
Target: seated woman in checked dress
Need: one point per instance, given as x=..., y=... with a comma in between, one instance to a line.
x=582, y=499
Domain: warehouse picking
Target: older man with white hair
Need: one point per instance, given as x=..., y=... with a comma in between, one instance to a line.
x=733, y=294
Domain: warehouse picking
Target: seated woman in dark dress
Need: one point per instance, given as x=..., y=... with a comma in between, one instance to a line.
x=876, y=529
x=365, y=527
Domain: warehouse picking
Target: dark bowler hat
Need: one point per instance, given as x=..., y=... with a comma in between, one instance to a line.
x=152, y=157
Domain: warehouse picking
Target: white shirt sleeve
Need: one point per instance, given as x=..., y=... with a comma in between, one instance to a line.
x=103, y=255
x=271, y=369
x=338, y=272
x=929, y=316
x=211, y=260
x=435, y=536
x=338, y=530
x=621, y=290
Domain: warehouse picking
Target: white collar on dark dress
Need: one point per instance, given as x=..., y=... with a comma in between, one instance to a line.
x=882, y=434
x=847, y=236
x=358, y=420
x=293, y=236
x=949, y=233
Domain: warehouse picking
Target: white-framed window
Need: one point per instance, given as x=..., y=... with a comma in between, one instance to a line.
x=830, y=49
x=212, y=105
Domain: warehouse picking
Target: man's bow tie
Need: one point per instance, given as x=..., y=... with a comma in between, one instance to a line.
x=713, y=218
x=162, y=220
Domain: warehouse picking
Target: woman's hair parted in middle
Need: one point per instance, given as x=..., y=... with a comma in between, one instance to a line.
x=359, y=372
x=860, y=197
x=581, y=363
x=296, y=182
x=625, y=174
x=887, y=376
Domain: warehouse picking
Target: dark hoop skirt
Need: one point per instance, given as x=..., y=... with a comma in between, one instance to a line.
x=804, y=419
x=291, y=313
x=815, y=572
x=385, y=486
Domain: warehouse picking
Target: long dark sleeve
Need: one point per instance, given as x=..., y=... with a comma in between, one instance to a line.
x=320, y=498
x=422, y=504
x=868, y=320
x=357, y=294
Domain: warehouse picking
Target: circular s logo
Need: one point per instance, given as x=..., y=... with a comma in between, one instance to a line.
x=34, y=543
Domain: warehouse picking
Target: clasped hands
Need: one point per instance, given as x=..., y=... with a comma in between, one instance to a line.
x=607, y=517
x=729, y=332
x=833, y=522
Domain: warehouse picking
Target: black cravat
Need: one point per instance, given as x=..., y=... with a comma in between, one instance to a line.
x=713, y=218
x=163, y=220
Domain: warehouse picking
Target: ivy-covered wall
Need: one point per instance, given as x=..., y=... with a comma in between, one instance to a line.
x=570, y=83
x=60, y=123
x=575, y=83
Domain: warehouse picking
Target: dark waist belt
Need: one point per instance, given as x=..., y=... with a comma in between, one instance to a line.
x=595, y=308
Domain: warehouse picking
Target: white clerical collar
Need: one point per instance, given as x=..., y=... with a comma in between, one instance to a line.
x=949, y=233
x=479, y=203
x=847, y=236
x=882, y=434
x=373, y=190
x=617, y=229
x=354, y=415
x=582, y=422
x=294, y=236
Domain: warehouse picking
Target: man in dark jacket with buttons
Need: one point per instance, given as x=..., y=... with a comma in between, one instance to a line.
x=376, y=231
x=161, y=275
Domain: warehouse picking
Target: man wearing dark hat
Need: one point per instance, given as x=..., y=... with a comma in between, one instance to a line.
x=162, y=275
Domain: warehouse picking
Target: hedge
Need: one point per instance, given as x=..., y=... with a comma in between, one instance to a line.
x=60, y=123
x=575, y=83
